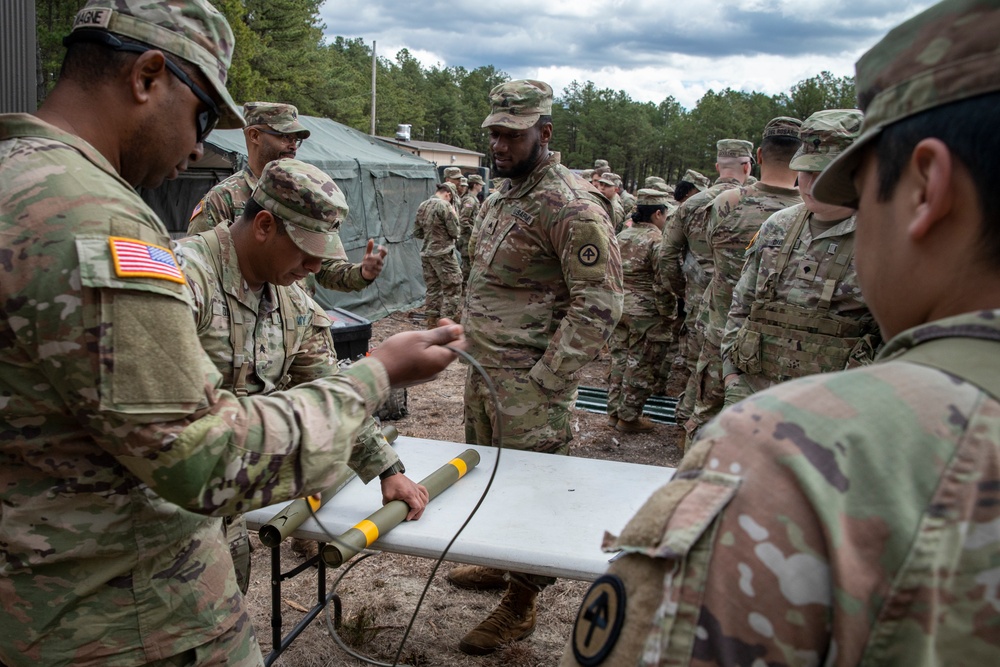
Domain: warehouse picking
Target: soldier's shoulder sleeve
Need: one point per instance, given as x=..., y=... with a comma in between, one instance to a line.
x=644, y=600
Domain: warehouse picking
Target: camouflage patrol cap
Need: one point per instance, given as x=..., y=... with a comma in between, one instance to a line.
x=608, y=179
x=662, y=186
x=464, y=183
x=697, y=179
x=476, y=179
x=652, y=197
x=309, y=203
x=282, y=118
x=825, y=135
x=651, y=181
x=587, y=174
x=946, y=54
x=734, y=148
x=601, y=163
x=782, y=126
x=519, y=104
x=189, y=29
x=451, y=188
x=452, y=172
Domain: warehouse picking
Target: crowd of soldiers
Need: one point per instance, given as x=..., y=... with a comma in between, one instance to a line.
x=152, y=393
x=731, y=310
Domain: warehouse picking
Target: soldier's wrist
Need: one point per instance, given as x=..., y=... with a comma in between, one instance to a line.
x=396, y=468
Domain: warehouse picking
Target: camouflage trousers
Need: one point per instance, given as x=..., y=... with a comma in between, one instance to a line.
x=709, y=393
x=463, y=251
x=444, y=286
x=692, y=352
x=638, y=345
x=238, y=537
x=529, y=418
x=236, y=647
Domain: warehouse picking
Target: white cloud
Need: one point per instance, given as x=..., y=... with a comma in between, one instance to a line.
x=649, y=48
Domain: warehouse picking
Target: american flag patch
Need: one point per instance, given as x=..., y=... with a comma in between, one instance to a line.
x=137, y=259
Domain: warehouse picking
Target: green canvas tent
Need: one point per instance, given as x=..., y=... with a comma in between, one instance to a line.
x=383, y=187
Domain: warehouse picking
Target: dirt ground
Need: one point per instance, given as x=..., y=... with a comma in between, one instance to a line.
x=380, y=593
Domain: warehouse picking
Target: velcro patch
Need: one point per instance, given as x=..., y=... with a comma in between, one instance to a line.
x=599, y=621
x=137, y=259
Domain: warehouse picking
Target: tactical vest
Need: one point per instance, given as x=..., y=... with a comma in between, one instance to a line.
x=784, y=341
x=237, y=326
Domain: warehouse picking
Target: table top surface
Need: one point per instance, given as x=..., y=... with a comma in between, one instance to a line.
x=544, y=514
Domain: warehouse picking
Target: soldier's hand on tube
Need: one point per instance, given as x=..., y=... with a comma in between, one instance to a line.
x=401, y=487
x=373, y=261
x=413, y=357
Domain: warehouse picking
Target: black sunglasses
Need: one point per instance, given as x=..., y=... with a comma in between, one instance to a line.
x=285, y=137
x=206, y=119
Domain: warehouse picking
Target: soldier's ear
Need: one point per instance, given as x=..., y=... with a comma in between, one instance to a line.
x=265, y=225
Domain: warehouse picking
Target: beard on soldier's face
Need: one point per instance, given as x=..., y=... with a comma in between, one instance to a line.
x=523, y=167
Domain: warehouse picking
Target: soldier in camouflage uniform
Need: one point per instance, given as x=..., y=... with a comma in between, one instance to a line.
x=851, y=518
x=736, y=218
x=642, y=335
x=544, y=295
x=469, y=209
x=797, y=308
x=241, y=279
x=273, y=131
x=453, y=176
x=607, y=185
x=691, y=183
x=437, y=226
x=685, y=259
x=628, y=200
x=120, y=447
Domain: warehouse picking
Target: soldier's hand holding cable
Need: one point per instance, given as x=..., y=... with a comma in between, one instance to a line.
x=413, y=357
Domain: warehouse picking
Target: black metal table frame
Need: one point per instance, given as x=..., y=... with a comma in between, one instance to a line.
x=278, y=642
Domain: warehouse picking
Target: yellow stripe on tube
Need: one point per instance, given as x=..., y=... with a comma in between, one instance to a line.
x=369, y=529
x=461, y=465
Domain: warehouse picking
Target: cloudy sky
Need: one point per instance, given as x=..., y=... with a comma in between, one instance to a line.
x=648, y=48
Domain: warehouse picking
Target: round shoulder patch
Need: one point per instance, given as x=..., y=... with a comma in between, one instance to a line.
x=599, y=621
x=589, y=254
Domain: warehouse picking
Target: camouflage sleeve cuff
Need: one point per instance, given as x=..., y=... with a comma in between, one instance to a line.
x=372, y=454
x=546, y=379
x=370, y=379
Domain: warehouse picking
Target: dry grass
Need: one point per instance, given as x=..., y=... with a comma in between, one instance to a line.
x=380, y=593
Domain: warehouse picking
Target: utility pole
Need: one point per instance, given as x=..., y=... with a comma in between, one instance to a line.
x=372, y=133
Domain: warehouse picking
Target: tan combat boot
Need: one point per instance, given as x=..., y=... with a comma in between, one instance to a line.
x=511, y=621
x=477, y=578
x=612, y=421
x=638, y=425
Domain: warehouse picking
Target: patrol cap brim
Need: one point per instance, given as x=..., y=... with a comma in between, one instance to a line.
x=835, y=184
x=511, y=121
x=292, y=127
x=315, y=244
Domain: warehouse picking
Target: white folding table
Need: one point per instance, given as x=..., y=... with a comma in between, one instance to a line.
x=544, y=514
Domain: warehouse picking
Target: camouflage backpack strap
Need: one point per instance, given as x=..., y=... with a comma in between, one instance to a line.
x=237, y=330
x=288, y=332
x=842, y=253
x=975, y=360
x=791, y=240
